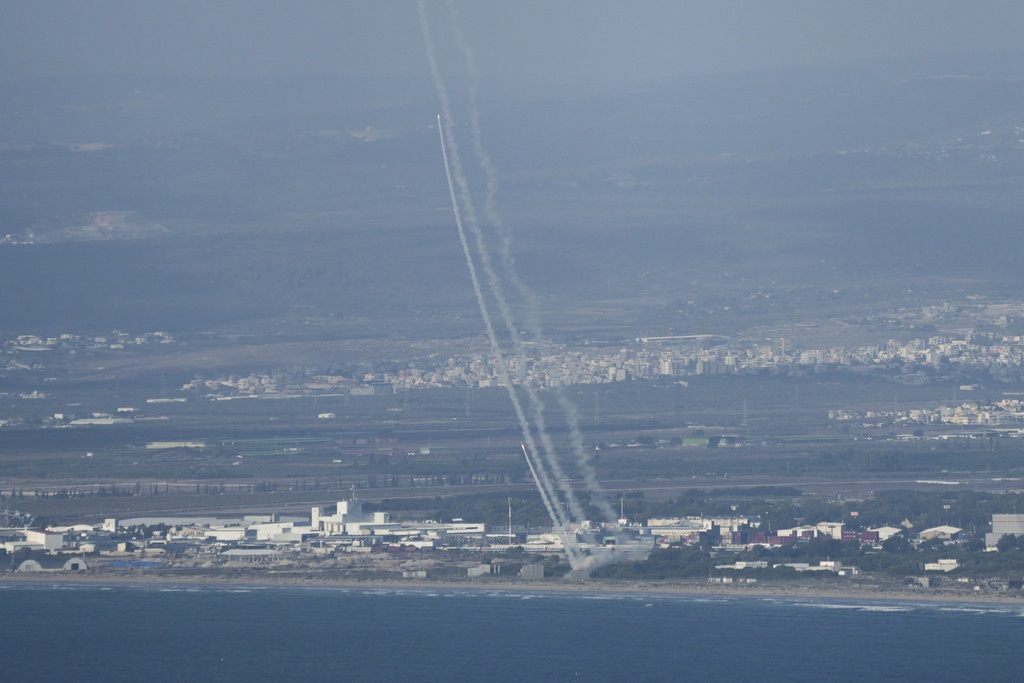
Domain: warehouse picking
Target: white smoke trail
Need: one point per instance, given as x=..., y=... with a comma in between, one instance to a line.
x=532, y=316
x=493, y=281
x=529, y=448
x=539, y=475
x=538, y=465
x=496, y=289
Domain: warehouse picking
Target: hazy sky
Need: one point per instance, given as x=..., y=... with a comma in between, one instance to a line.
x=548, y=40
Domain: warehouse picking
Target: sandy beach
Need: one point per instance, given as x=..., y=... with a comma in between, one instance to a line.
x=664, y=588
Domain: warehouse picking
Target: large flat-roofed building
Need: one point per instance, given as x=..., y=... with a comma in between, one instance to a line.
x=348, y=519
x=49, y=540
x=1004, y=525
x=1008, y=524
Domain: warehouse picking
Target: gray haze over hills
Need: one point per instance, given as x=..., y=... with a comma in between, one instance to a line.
x=648, y=190
x=529, y=44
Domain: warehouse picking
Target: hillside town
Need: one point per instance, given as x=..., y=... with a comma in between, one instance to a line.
x=914, y=362
x=994, y=358
x=1001, y=413
x=977, y=339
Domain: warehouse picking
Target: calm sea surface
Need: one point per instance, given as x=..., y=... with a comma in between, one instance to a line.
x=156, y=633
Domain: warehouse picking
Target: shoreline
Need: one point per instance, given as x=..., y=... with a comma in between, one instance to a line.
x=664, y=589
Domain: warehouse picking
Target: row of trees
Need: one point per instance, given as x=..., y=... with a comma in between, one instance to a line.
x=782, y=507
x=777, y=507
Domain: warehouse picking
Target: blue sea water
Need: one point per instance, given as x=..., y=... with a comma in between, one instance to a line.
x=51, y=632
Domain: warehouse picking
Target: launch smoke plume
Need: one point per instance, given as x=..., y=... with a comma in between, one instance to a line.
x=552, y=483
x=495, y=286
x=532, y=307
x=530, y=451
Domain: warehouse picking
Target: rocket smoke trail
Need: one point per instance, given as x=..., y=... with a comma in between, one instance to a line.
x=539, y=475
x=543, y=462
x=455, y=169
x=494, y=284
x=532, y=316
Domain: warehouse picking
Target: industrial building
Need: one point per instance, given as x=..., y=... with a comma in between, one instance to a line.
x=1004, y=525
